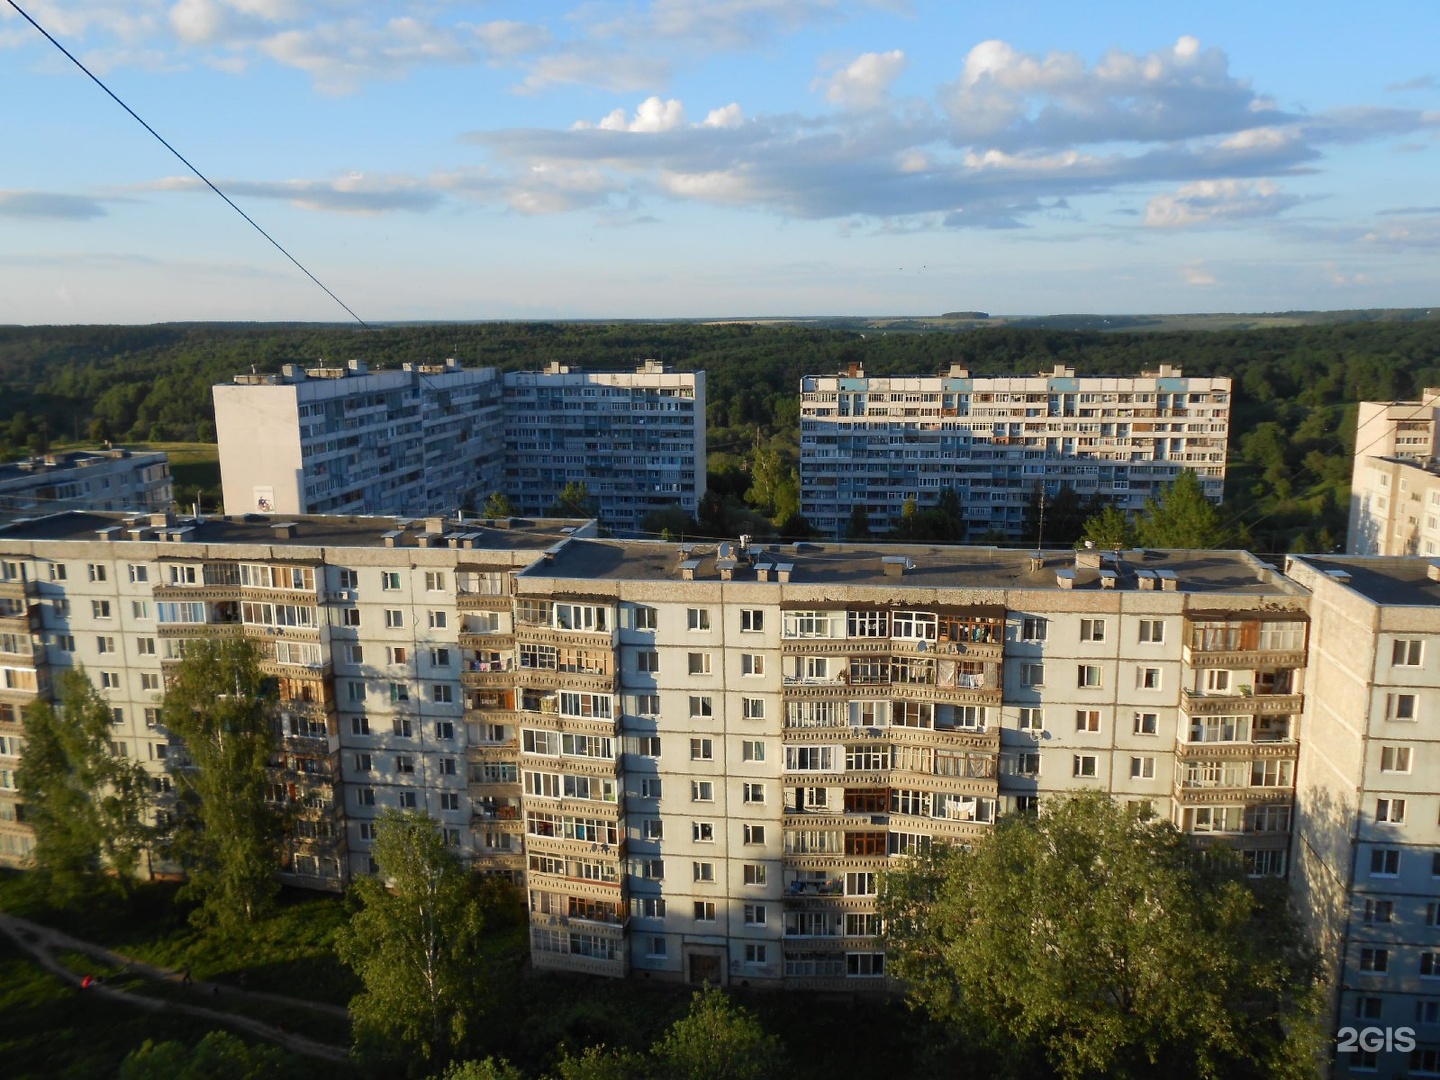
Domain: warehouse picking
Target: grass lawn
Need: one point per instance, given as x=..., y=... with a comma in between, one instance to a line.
x=289, y=953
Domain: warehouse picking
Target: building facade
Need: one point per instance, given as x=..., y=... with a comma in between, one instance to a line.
x=1367, y=842
x=345, y=440
x=85, y=480
x=876, y=442
x=1394, y=486
x=432, y=438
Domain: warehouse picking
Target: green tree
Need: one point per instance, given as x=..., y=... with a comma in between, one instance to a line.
x=85, y=804
x=859, y=527
x=498, y=505
x=218, y=1056
x=600, y=1063
x=1098, y=940
x=226, y=835
x=717, y=1040
x=414, y=942
x=1109, y=529
x=774, y=484
x=488, y=1069
x=573, y=502
x=1181, y=517
x=671, y=523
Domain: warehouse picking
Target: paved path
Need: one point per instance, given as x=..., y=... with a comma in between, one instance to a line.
x=39, y=941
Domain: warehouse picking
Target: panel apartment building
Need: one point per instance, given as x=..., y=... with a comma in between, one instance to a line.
x=876, y=441
x=697, y=761
x=85, y=480
x=428, y=439
x=1394, y=481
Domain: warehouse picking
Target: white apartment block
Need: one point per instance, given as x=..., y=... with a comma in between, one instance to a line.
x=345, y=440
x=697, y=761
x=1394, y=487
x=85, y=480
x=428, y=439
x=1367, y=832
x=635, y=439
x=876, y=441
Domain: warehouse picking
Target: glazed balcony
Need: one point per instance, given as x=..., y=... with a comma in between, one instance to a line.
x=1236, y=751
x=1197, y=703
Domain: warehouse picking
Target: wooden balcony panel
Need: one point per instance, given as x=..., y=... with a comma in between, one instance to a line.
x=1209, y=751
x=1236, y=659
x=1199, y=704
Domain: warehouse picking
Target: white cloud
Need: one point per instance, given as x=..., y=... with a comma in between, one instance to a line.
x=50, y=206
x=1209, y=201
x=1196, y=274
x=865, y=82
x=727, y=116
x=354, y=193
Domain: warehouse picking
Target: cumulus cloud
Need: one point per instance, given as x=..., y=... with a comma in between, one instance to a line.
x=1196, y=274
x=727, y=116
x=50, y=206
x=864, y=83
x=1422, y=82
x=1209, y=201
x=651, y=115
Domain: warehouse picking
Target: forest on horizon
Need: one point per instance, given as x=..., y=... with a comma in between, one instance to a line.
x=1291, y=434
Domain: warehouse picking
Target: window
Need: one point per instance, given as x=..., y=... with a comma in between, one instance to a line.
x=652, y=828
x=140, y=609
x=1142, y=768
x=1369, y=1008
x=447, y=766
x=702, y=791
x=1032, y=629
x=364, y=763
x=438, y=620
x=1400, y=707
x=754, y=834
x=698, y=618
x=65, y=642
x=864, y=965
x=349, y=579
x=1379, y=911
x=440, y=658
x=1152, y=632
x=754, y=793
x=754, y=708
x=442, y=693
x=699, y=663
x=139, y=573
x=1147, y=678
x=1395, y=759
x=367, y=830
x=701, y=705
x=752, y=750
x=1085, y=765
x=650, y=787
x=1032, y=719
x=647, y=705
x=404, y=763
x=702, y=832
x=1092, y=630
x=97, y=571
x=399, y=692
x=752, y=664
x=1385, y=862
x=394, y=619
x=1390, y=811
x=754, y=873
x=704, y=909
x=365, y=796
x=644, y=617
x=1375, y=961
x=752, y=620
x=359, y=725
x=350, y=616
x=860, y=883
x=1087, y=720
x=57, y=571
x=149, y=681
x=702, y=750
x=109, y=680
x=434, y=581
x=1027, y=764
x=1407, y=652
x=1147, y=723
x=754, y=915
x=406, y=800
x=105, y=644
x=703, y=871
x=390, y=580
x=1032, y=674
x=648, y=746
x=100, y=609
x=1087, y=676
x=647, y=661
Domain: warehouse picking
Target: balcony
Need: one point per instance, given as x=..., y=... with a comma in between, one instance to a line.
x=480, y=675
x=585, y=965
x=508, y=751
x=1245, y=796
x=309, y=744
x=612, y=891
x=1201, y=704
x=494, y=789
x=488, y=640
x=17, y=589
x=213, y=593
x=214, y=629
x=475, y=601
x=23, y=621
x=496, y=861
x=1242, y=659
x=546, y=635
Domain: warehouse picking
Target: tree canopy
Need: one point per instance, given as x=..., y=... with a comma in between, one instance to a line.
x=414, y=942
x=1096, y=939
x=226, y=834
x=1181, y=517
x=84, y=802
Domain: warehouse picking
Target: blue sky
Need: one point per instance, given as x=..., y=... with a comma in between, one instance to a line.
x=694, y=158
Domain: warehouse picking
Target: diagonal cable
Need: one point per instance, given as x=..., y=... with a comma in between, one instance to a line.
x=93, y=78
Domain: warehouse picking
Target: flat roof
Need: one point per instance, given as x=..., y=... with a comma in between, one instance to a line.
x=36, y=467
x=1394, y=580
x=330, y=530
x=933, y=566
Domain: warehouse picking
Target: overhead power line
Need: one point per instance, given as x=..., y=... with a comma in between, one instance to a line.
x=205, y=179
